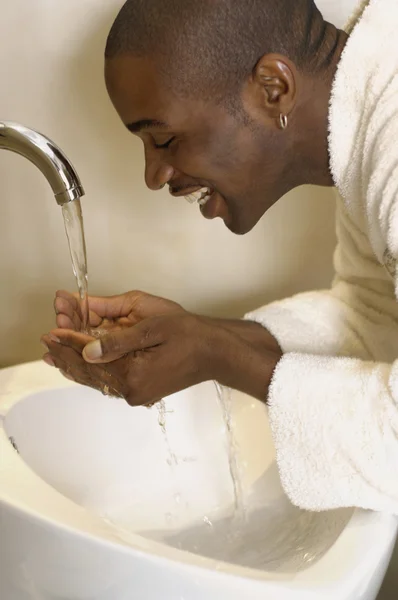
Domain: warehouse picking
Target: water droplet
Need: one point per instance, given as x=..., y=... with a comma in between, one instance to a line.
x=189, y=459
x=207, y=521
x=13, y=444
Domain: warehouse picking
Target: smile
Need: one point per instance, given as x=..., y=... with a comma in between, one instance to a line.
x=201, y=196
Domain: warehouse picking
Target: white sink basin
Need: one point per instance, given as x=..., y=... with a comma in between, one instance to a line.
x=100, y=502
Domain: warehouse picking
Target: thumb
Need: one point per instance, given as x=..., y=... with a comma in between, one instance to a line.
x=114, y=345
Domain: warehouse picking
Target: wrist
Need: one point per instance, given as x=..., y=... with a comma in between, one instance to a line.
x=250, y=331
x=250, y=369
x=243, y=356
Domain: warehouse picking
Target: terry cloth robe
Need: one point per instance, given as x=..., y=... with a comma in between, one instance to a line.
x=333, y=400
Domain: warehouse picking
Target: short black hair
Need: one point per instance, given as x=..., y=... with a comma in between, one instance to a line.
x=211, y=46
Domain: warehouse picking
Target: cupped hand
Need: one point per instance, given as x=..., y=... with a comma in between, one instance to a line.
x=143, y=348
x=111, y=313
x=154, y=358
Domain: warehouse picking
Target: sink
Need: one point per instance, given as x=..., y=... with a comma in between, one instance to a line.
x=99, y=500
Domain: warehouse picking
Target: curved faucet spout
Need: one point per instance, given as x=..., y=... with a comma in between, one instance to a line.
x=47, y=157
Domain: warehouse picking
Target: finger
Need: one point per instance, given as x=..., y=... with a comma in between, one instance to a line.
x=94, y=319
x=110, y=307
x=47, y=358
x=67, y=376
x=62, y=296
x=97, y=378
x=49, y=341
x=69, y=313
x=71, y=296
x=73, y=373
x=71, y=363
x=115, y=307
x=73, y=339
x=111, y=347
x=77, y=375
x=67, y=359
x=64, y=321
x=72, y=366
x=65, y=352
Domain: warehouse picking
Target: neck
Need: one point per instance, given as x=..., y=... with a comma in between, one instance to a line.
x=313, y=114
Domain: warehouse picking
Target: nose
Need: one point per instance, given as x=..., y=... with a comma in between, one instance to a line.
x=157, y=171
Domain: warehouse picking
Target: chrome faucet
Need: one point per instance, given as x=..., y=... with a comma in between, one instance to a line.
x=47, y=157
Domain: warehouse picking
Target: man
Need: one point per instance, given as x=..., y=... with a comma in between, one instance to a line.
x=237, y=103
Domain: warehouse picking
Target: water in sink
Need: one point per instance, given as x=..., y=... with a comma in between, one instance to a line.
x=115, y=461
x=253, y=533
x=277, y=538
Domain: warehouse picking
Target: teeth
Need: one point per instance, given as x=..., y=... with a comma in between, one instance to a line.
x=201, y=196
x=191, y=198
x=204, y=200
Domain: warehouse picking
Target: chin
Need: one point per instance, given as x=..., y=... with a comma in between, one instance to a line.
x=238, y=228
x=239, y=225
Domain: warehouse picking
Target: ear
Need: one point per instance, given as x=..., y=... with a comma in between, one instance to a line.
x=272, y=89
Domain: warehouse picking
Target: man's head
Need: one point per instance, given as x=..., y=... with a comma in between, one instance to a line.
x=210, y=85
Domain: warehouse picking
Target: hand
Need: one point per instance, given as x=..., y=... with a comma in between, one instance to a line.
x=145, y=362
x=161, y=355
x=112, y=313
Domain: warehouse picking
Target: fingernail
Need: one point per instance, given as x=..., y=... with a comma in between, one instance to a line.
x=54, y=338
x=45, y=346
x=93, y=351
x=49, y=361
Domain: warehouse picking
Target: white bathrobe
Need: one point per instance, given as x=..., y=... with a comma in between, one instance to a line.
x=333, y=402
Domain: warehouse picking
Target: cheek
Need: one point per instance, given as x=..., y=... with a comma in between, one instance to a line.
x=228, y=159
x=214, y=149
x=238, y=159
x=190, y=161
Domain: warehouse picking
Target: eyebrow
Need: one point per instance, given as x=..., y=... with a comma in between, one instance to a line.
x=145, y=124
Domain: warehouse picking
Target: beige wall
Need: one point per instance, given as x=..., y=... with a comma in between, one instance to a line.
x=337, y=11
x=51, y=74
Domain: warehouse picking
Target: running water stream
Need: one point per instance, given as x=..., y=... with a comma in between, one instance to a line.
x=225, y=401
x=73, y=219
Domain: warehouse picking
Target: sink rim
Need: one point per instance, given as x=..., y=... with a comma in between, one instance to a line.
x=61, y=513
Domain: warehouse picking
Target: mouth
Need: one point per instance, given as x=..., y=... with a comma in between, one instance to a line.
x=200, y=196
x=210, y=202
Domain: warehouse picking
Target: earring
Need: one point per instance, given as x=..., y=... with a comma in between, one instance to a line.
x=283, y=121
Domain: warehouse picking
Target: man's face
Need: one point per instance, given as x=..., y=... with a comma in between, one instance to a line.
x=194, y=145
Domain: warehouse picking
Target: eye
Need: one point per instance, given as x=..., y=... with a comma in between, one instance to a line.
x=166, y=144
